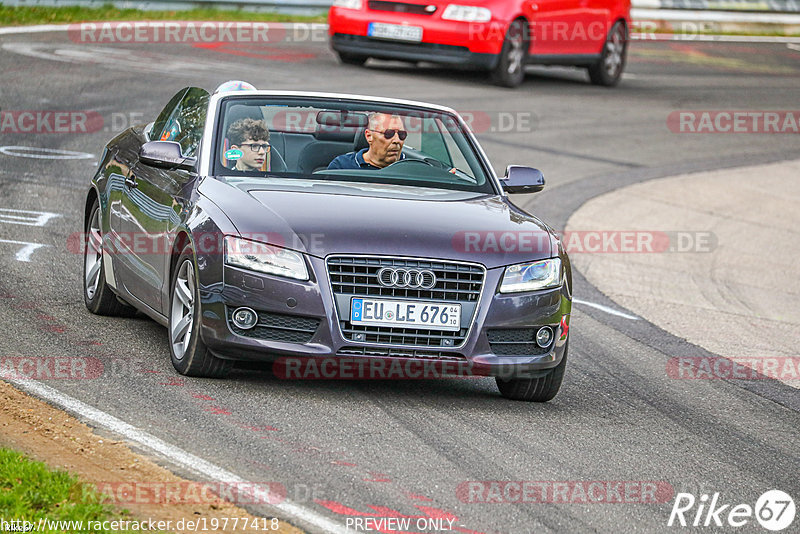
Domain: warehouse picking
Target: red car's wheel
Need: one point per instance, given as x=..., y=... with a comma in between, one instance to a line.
x=510, y=68
x=608, y=70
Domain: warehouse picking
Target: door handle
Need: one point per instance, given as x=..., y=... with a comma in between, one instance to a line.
x=130, y=181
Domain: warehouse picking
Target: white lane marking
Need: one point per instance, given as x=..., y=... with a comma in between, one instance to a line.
x=24, y=254
x=652, y=36
x=26, y=217
x=42, y=153
x=606, y=309
x=175, y=454
x=41, y=28
x=126, y=59
x=713, y=15
x=793, y=46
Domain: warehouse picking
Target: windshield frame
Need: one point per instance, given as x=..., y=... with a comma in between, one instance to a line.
x=214, y=124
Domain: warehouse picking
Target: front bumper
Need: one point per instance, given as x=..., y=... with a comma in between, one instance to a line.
x=300, y=319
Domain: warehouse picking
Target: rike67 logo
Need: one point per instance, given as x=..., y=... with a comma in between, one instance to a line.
x=774, y=510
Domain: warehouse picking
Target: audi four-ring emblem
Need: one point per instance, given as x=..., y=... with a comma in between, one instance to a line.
x=407, y=278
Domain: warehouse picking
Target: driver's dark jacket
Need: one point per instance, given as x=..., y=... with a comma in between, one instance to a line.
x=354, y=160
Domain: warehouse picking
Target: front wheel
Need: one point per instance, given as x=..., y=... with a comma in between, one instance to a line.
x=510, y=68
x=539, y=389
x=189, y=354
x=608, y=69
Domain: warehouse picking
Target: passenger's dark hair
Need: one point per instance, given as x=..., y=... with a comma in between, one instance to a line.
x=244, y=129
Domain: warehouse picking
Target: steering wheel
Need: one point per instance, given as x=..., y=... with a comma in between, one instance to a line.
x=407, y=162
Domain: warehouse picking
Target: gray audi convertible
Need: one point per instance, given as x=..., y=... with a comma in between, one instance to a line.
x=327, y=233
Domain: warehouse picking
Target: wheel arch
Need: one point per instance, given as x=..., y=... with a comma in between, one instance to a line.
x=181, y=240
x=91, y=197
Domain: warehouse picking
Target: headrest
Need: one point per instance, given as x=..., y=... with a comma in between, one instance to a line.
x=238, y=112
x=340, y=125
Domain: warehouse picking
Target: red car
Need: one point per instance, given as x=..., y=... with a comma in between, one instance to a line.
x=500, y=36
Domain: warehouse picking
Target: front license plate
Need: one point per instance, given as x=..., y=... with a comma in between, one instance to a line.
x=405, y=313
x=397, y=32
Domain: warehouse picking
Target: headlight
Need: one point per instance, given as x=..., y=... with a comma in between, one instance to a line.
x=467, y=13
x=347, y=4
x=264, y=258
x=532, y=276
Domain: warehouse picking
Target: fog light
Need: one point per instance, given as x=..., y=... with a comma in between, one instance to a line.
x=245, y=318
x=544, y=336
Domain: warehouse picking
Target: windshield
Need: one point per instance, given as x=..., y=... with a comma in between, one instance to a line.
x=346, y=141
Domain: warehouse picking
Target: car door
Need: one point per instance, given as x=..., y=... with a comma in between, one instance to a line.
x=154, y=199
x=557, y=26
x=597, y=19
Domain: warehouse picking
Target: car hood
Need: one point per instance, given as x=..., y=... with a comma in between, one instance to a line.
x=383, y=220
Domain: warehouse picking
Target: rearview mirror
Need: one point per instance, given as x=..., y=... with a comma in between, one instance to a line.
x=165, y=155
x=519, y=179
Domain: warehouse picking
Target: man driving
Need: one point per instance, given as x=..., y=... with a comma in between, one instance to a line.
x=250, y=138
x=385, y=137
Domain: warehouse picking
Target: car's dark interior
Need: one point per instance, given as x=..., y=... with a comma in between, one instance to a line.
x=336, y=133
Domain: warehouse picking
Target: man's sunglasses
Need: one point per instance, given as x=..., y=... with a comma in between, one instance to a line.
x=256, y=147
x=388, y=134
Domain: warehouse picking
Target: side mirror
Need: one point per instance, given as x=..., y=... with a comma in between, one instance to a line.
x=165, y=155
x=520, y=179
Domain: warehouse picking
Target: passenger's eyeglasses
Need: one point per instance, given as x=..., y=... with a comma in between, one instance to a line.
x=388, y=134
x=257, y=147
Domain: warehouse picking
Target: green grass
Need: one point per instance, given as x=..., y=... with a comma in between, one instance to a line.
x=30, y=490
x=24, y=16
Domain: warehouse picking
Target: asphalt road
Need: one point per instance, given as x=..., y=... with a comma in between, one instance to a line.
x=347, y=447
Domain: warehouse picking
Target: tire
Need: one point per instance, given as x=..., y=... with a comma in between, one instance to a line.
x=97, y=294
x=607, y=72
x=510, y=68
x=188, y=353
x=352, y=59
x=540, y=389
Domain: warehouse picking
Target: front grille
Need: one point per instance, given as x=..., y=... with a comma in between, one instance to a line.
x=279, y=327
x=358, y=276
x=401, y=353
x=515, y=342
x=402, y=7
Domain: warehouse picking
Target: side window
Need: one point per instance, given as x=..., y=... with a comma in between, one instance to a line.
x=455, y=153
x=188, y=124
x=158, y=126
